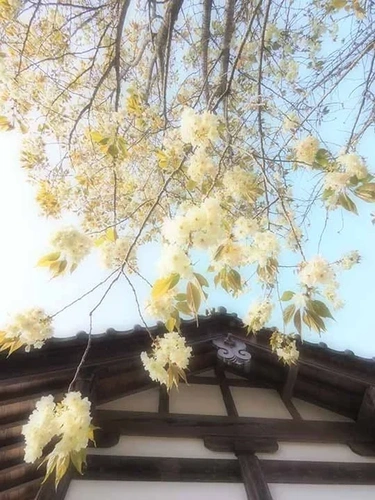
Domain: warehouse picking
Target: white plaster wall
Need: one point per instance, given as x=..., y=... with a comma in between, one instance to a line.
x=132, y=490
x=253, y=402
x=137, y=446
x=309, y=411
x=141, y=401
x=315, y=452
x=321, y=492
x=197, y=399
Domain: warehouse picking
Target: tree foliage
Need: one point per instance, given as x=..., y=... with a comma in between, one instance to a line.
x=198, y=125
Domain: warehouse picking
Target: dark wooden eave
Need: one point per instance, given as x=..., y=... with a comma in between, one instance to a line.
x=338, y=381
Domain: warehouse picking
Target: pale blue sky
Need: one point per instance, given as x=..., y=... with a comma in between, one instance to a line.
x=25, y=238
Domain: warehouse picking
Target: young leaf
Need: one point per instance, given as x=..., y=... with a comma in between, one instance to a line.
x=218, y=252
x=313, y=321
x=111, y=234
x=297, y=321
x=320, y=308
x=366, y=192
x=288, y=313
x=170, y=324
x=287, y=296
x=5, y=124
x=201, y=279
x=322, y=157
x=347, y=203
x=193, y=296
x=47, y=259
x=163, y=285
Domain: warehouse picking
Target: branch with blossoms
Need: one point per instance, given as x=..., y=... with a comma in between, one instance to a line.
x=141, y=159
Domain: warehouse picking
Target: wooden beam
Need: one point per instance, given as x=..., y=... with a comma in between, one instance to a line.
x=240, y=445
x=100, y=467
x=297, y=472
x=253, y=478
x=225, y=392
x=180, y=425
x=119, y=468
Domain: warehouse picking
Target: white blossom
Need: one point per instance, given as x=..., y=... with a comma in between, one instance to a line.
x=316, y=271
x=353, y=165
x=258, y=315
x=200, y=226
x=200, y=166
x=31, y=328
x=161, y=307
x=350, y=259
x=169, y=351
x=174, y=260
x=241, y=184
x=306, y=149
x=40, y=428
x=73, y=244
x=113, y=254
x=337, y=181
x=285, y=347
x=289, y=353
x=265, y=245
x=245, y=227
x=198, y=129
x=69, y=421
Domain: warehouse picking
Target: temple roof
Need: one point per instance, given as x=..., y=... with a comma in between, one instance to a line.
x=334, y=380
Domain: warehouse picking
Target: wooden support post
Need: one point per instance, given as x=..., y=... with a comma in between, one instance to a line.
x=163, y=400
x=226, y=392
x=366, y=414
x=288, y=389
x=253, y=478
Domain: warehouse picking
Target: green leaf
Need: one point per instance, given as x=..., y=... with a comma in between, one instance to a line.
x=180, y=297
x=347, y=203
x=287, y=296
x=193, y=296
x=111, y=234
x=113, y=150
x=327, y=194
x=190, y=185
x=338, y=4
x=297, y=321
x=322, y=157
x=313, y=321
x=5, y=124
x=96, y=136
x=319, y=308
x=163, y=285
x=288, y=313
x=77, y=459
x=201, y=279
x=47, y=259
x=170, y=324
x=234, y=281
x=184, y=308
x=218, y=252
x=58, y=267
x=366, y=192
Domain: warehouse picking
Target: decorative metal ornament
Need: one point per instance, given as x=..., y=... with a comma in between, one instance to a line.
x=233, y=352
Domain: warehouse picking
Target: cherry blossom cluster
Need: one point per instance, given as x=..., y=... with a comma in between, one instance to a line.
x=169, y=358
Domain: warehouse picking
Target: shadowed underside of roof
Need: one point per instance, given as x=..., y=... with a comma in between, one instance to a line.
x=334, y=380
